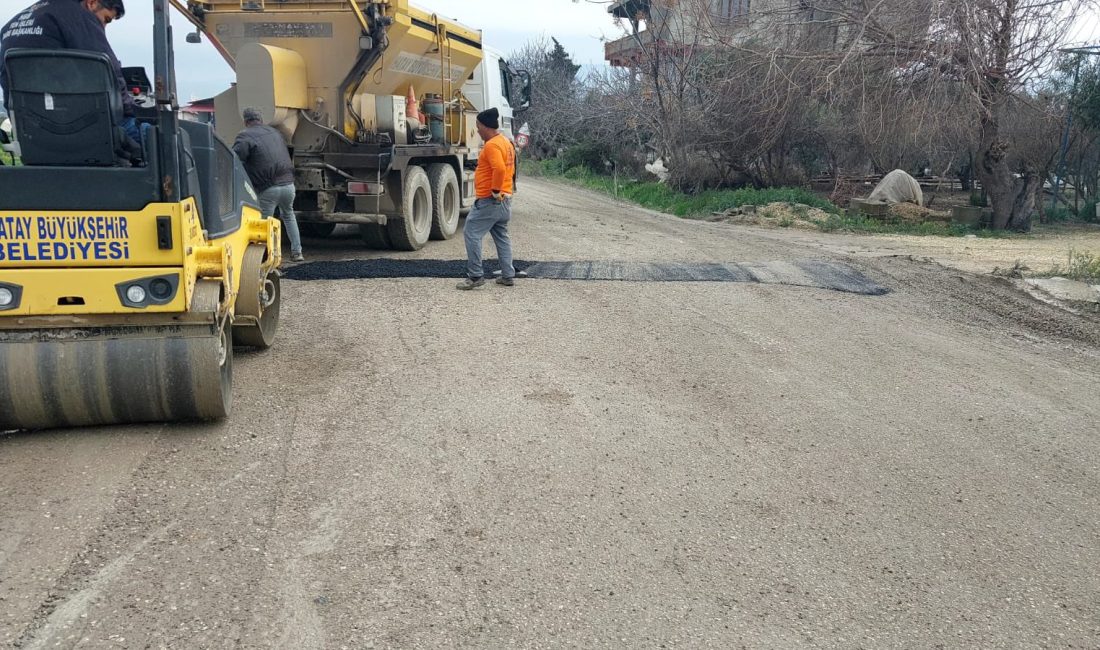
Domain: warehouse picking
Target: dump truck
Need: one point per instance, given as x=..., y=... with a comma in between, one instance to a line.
x=124, y=282
x=377, y=101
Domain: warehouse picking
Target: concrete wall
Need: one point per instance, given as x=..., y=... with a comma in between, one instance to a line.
x=801, y=24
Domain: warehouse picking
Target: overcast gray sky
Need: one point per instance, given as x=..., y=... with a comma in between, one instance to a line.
x=200, y=71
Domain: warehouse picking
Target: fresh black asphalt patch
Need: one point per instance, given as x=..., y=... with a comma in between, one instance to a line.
x=801, y=273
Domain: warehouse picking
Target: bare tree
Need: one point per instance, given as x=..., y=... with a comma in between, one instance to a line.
x=716, y=115
x=971, y=59
x=555, y=91
x=772, y=95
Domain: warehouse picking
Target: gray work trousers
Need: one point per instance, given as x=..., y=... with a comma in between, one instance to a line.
x=282, y=197
x=489, y=216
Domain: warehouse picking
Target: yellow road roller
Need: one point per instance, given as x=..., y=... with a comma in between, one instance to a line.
x=125, y=280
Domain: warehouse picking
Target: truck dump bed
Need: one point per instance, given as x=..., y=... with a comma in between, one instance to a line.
x=344, y=51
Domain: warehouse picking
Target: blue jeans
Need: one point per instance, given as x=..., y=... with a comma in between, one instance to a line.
x=132, y=129
x=282, y=197
x=489, y=217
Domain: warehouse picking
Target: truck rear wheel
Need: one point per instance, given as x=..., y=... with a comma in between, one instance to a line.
x=409, y=230
x=445, y=200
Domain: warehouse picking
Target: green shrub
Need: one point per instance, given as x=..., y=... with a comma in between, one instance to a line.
x=719, y=200
x=658, y=196
x=831, y=223
x=1088, y=212
x=1081, y=265
x=1060, y=214
x=864, y=224
x=587, y=155
x=661, y=197
x=577, y=173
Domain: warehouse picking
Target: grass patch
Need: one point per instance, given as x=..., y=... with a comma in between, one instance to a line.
x=657, y=196
x=660, y=197
x=1083, y=266
x=1088, y=212
x=864, y=224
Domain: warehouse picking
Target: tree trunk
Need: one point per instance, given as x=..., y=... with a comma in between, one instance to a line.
x=1025, y=189
x=1011, y=198
x=966, y=174
x=1039, y=203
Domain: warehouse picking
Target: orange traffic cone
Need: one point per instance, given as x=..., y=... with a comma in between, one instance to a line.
x=412, y=109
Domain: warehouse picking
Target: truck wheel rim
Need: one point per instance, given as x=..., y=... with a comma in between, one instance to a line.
x=421, y=209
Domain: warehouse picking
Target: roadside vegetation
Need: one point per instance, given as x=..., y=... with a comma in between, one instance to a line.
x=985, y=98
x=1083, y=266
x=782, y=207
x=662, y=197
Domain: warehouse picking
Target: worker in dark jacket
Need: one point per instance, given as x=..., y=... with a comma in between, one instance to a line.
x=266, y=159
x=106, y=11
x=64, y=25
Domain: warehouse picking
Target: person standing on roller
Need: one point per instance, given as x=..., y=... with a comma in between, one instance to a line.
x=496, y=169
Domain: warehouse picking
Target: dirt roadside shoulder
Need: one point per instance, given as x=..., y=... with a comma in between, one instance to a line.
x=1040, y=252
x=982, y=301
x=954, y=277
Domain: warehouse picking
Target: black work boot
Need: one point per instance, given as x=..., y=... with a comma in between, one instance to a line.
x=470, y=283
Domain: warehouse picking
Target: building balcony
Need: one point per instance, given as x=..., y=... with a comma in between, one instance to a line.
x=632, y=10
x=629, y=50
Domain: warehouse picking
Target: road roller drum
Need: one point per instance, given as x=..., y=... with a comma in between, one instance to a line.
x=98, y=374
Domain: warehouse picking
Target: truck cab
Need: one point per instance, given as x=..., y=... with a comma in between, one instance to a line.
x=496, y=83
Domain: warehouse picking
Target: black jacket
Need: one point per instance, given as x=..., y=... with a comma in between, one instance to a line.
x=263, y=151
x=60, y=25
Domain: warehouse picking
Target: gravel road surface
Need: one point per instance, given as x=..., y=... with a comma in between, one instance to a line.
x=592, y=464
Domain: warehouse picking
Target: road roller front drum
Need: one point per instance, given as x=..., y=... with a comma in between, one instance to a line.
x=87, y=375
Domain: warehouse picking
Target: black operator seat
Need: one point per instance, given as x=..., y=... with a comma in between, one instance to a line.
x=65, y=106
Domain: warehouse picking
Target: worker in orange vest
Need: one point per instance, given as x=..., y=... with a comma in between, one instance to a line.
x=493, y=183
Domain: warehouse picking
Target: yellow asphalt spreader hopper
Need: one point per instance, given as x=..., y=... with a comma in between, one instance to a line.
x=123, y=288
